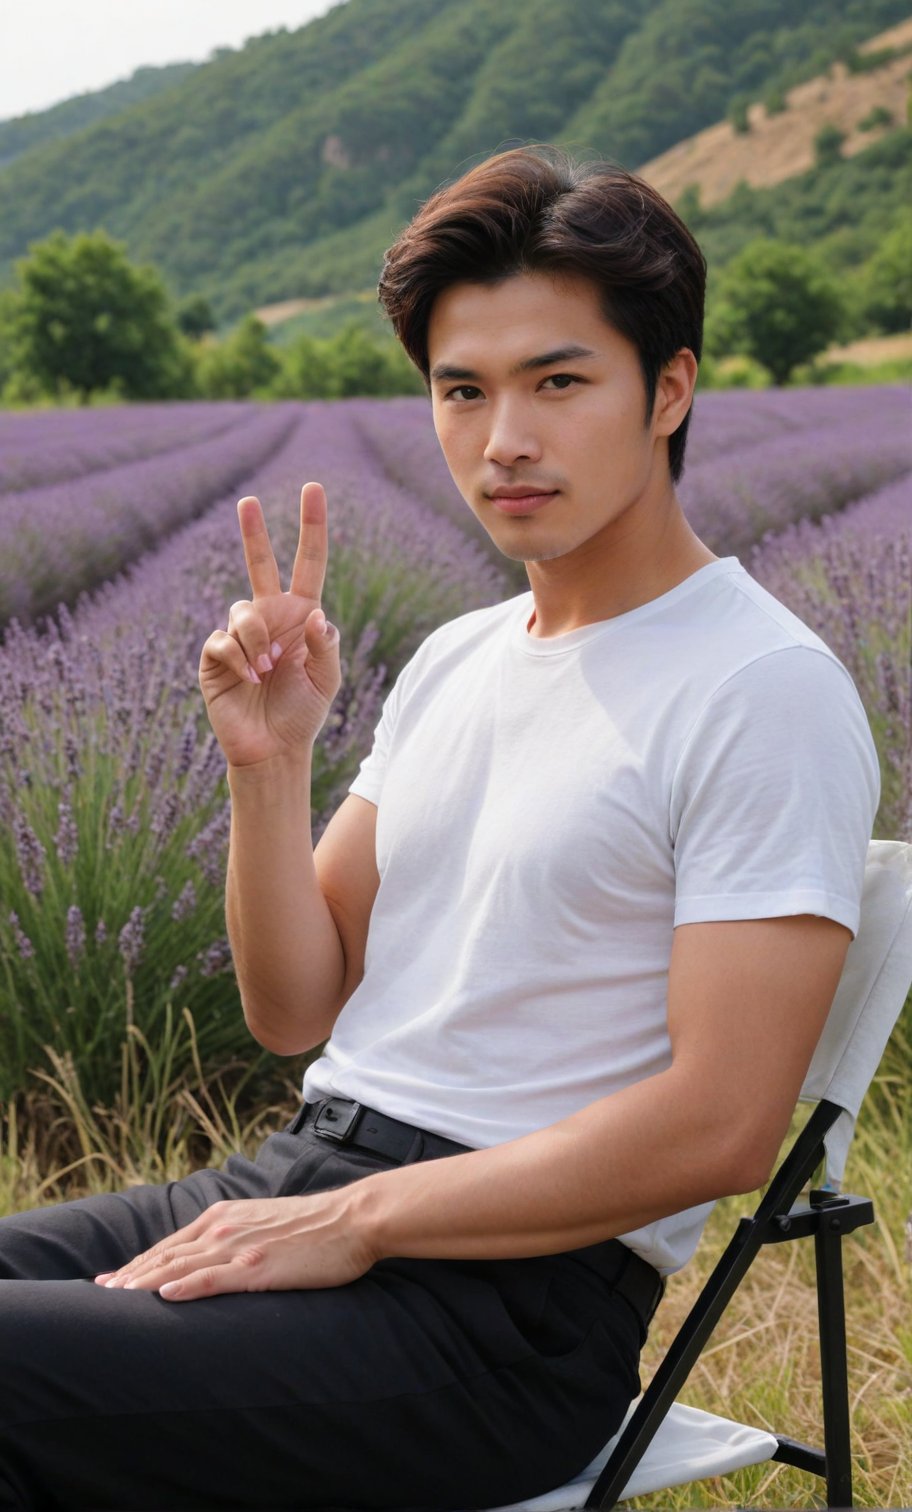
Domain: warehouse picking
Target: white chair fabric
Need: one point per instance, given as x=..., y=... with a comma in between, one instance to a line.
x=690, y=1444
x=871, y=992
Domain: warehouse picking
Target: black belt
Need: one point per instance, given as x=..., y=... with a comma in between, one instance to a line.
x=346, y=1122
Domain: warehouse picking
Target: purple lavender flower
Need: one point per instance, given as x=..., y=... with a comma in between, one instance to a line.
x=66, y=840
x=31, y=855
x=23, y=943
x=75, y=933
x=215, y=958
x=132, y=939
x=165, y=816
x=184, y=904
x=115, y=825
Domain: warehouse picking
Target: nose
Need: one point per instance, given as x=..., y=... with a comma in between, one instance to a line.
x=511, y=437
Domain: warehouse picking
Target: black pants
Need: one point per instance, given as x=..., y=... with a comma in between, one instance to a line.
x=425, y=1384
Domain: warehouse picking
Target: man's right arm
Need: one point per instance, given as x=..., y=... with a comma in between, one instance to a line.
x=297, y=919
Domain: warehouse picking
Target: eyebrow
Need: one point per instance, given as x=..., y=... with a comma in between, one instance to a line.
x=545, y=359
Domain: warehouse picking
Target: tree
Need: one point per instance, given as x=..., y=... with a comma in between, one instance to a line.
x=828, y=145
x=775, y=304
x=350, y=363
x=689, y=207
x=737, y=113
x=887, y=280
x=306, y=371
x=239, y=365
x=88, y=318
x=9, y=310
x=195, y=317
x=362, y=365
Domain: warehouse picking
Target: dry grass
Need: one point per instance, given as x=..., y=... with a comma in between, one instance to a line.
x=286, y=309
x=868, y=351
x=762, y=1364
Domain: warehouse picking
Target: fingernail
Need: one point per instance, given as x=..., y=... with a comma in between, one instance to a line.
x=112, y=1282
x=321, y=622
x=252, y=674
x=275, y=651
x=328, y=630
x=263, y=663
x=170, y=1289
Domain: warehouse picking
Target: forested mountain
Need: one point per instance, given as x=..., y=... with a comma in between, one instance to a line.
x=284, y=169
x=25, y=131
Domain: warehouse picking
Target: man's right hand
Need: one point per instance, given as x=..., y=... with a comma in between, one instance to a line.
x=270, y=679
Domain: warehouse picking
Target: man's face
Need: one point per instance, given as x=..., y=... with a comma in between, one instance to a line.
x=540, y=408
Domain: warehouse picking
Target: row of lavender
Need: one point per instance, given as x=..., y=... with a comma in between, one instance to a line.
x=756, y=463
x=113, y=809
x=850, y=577
x=63, y=538
x=46, y=446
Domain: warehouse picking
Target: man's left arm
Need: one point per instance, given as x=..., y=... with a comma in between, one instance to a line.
x=747, y=1001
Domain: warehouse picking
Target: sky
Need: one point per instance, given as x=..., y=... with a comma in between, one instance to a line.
x=53, y=49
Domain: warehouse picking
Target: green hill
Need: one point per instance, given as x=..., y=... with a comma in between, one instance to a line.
x=25, y=131
x=283, y=169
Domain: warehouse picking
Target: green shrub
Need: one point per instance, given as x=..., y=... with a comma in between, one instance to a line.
x=879, y=116
x=828, y=144
x=737, y=114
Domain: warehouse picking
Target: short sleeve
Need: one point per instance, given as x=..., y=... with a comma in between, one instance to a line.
x=368, y=782
x=775, y=793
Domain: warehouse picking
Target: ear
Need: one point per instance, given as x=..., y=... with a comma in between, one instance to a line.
x=674, y=392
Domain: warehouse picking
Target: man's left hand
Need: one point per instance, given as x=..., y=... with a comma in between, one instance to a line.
x=255, y=1244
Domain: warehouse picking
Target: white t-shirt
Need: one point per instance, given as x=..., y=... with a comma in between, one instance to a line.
x=549, y=810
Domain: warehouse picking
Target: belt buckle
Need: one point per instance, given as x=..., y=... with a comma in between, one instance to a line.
x=336, y=1119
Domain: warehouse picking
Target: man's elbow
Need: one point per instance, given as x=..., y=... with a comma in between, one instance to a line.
x=284, y=1034
x=747, y=1160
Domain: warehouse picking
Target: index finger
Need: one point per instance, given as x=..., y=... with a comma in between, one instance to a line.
x=313, y=549
x=258, y=554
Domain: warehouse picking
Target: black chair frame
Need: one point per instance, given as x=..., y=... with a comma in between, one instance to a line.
x=827, y=1216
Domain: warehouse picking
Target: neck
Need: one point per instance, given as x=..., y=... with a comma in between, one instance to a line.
x=629, y=562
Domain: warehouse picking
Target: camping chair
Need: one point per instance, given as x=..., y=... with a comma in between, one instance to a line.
x=662, y=1443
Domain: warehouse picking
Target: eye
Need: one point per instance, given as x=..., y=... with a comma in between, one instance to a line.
x=561, y=381
x=463, y=393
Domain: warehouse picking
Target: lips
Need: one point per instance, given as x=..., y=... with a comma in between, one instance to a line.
x=513, y=502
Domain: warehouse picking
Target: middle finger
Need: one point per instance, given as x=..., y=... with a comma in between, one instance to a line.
x=310, y=559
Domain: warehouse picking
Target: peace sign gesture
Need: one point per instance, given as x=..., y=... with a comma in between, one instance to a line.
x=269, y=680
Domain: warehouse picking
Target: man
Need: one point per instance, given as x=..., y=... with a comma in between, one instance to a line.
x=592, y=888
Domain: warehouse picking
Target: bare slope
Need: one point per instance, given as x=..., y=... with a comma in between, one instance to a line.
x=780, y=146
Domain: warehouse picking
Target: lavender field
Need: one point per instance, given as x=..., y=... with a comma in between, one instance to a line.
x=119, y=553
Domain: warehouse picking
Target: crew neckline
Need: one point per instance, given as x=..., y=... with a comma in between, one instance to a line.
x=556, y=645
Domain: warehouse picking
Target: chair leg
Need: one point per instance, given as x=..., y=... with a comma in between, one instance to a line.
x=831, y=1315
